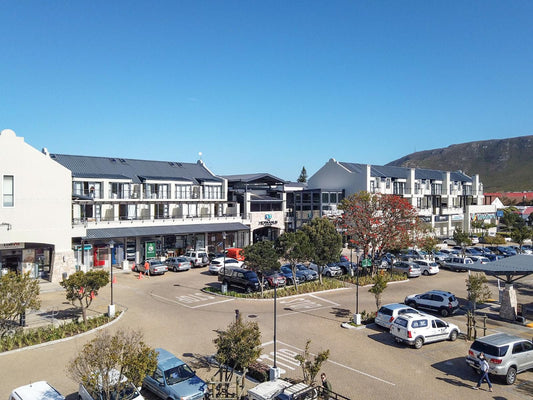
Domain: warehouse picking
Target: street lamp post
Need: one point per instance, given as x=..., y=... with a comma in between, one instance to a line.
x=275, y=372
x=224, y=286
x=111, y=307
x=357, y=316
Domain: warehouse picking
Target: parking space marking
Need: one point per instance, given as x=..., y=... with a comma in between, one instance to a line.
x=185, y=300
x=284, y=353
x=305, y=303
x=284, y=357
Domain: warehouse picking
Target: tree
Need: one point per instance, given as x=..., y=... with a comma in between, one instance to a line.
x=325, y=241
x=380, y=222
x=239, y=345
x=511, y=218
x=311, y=367
x=125, y=352
x=477, y=289
x=18, y=293
x=521, y=234
x=462, y=239
x=295, y=248
x=261, y=257
x=83, y=287
x=379, y=286
x=303, y=176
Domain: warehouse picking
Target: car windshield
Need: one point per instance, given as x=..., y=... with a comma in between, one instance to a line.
x=178, y=374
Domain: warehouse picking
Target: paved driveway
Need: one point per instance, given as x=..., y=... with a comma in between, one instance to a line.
x=175, y=314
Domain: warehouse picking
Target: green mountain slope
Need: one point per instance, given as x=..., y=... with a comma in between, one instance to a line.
x=502, y=164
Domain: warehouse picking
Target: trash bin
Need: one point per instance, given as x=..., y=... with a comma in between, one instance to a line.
x=64, y=275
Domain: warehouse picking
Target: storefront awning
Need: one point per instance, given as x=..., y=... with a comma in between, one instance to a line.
x=108, y=233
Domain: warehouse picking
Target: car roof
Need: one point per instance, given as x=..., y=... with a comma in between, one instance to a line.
x=498, y=339
x=396, y=306
x=166, y=360
x=41, y=390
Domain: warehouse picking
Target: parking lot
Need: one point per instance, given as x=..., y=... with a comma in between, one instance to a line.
x=174, y=313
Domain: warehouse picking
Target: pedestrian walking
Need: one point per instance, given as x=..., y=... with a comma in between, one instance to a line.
x=326, y=385
x=484, y=367
x=147, y=268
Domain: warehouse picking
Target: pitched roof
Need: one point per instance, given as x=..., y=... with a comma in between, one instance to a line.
x=255, y=178
x=136, y=170
x=388, y=171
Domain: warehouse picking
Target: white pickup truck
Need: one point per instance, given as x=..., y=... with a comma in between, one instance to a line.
x=127, y=390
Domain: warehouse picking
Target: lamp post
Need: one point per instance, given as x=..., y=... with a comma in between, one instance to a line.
x=275, y=372
x=224, y=286
x=111, y=307
x=357, y=316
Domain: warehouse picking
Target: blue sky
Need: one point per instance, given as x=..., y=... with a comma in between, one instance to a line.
x=264, y=86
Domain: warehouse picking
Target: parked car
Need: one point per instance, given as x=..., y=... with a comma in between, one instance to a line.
x=173, y=379
x=299, y=276
x=272, y=279
x=244, y=279
x=418, y=329
x=428, y=267
x=389, y=312
x=127, y=390
x=438, y=301
x=236, y=253
x=280, y=389
x=156, y=267
x=506, y=354
x=408, y=268
x=217, y=264
x=327, y=270
x=457, y=263
x=346, y=267
x=197, y=258
x=40, y=390
x=480, y=259
x=474, y=239
x=472, y=251
x=310, y=275
x=178, y=264
x=450, y=242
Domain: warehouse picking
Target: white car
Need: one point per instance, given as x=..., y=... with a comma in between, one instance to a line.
x=217, y=264
x=389, y=312
x=416, y=330
x=428, y=267
x=327, y=270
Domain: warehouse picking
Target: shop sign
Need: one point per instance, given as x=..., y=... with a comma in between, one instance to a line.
x=483, y=217
x=268, y=221
x=149, y=250
x=8, y=246
x=457, y=217
x=425, y=218
x=441, y=218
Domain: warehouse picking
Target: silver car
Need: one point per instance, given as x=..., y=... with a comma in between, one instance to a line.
x=388, y=313
x=408, y=268
x=507, y=355
x=178, y=264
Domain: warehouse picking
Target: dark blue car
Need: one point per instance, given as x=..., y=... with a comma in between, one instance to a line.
x=286, y=271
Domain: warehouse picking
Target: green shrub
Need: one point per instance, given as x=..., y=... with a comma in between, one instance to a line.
x=258, y=371
x=498, y=239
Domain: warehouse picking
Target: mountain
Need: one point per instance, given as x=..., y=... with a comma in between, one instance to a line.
x=502, y=164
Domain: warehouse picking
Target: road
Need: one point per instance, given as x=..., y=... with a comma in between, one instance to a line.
x=174, y=313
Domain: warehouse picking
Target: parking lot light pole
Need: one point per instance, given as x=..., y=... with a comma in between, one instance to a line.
x=223, y=287
x=111, y=307
x=275, y=372
x=357, y=316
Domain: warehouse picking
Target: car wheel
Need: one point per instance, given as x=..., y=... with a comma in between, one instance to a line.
x=267, y=285
x=510, y=377
x=419, y=342
x=175, y=269
x=453, y=335
x=444, y=312
x=328, y=274
x=425, y=273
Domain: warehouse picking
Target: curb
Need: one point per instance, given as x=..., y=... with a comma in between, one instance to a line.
x=35, y=346
x=271, y=299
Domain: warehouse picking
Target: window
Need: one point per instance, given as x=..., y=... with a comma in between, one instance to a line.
x=9, y=191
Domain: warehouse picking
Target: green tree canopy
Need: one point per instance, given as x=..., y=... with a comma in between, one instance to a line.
x=295, y=248
x=521, y=234
x=125, y=352
x=261, y=257
x=325, y=241
x=477, y=289
x=311, y=366
x=18, y=293
x=303, y=176
x=83, y=287
x=377, y=289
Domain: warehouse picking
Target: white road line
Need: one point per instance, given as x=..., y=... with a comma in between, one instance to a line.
x=185, y=305
x=327, y=301
x=336, y=363
x=214, y=302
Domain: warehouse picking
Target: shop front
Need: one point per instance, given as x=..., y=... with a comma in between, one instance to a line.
x=33, y=258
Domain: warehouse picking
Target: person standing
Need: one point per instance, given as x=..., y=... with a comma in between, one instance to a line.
x=147, y=268
x=326, y=385
x=484, y=367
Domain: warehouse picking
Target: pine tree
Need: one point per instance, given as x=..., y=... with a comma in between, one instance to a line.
x=303, y=176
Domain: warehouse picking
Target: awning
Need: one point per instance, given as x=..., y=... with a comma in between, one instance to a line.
x=109, y=233
x=515, y=266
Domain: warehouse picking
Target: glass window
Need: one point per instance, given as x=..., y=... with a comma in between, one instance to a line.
x=325, y=197
x=9, y=191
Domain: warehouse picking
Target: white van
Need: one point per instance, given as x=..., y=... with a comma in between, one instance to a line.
x=40, y=390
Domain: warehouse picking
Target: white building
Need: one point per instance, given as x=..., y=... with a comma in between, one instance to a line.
x=35, y=217
x=444, y=199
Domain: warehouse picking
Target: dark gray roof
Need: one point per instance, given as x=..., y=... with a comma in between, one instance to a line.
x=387, y=171
x=264, y=198
x=136, y=170
x=255, y=178
x=520, y=265
x=112, y=233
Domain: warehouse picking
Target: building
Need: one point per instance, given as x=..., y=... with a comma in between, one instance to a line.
x=446, y=200
x=35, y=217
x=61, y=213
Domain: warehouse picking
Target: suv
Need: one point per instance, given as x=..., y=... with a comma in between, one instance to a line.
x=428, y=267
x=245, y=279
x=198, y=258
x=408, y=268
x=457, y=263
x=416, y=330
x=173, y=379
x=327, y=270
x=506, y=354
x=389, y=312
x=437, y=301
